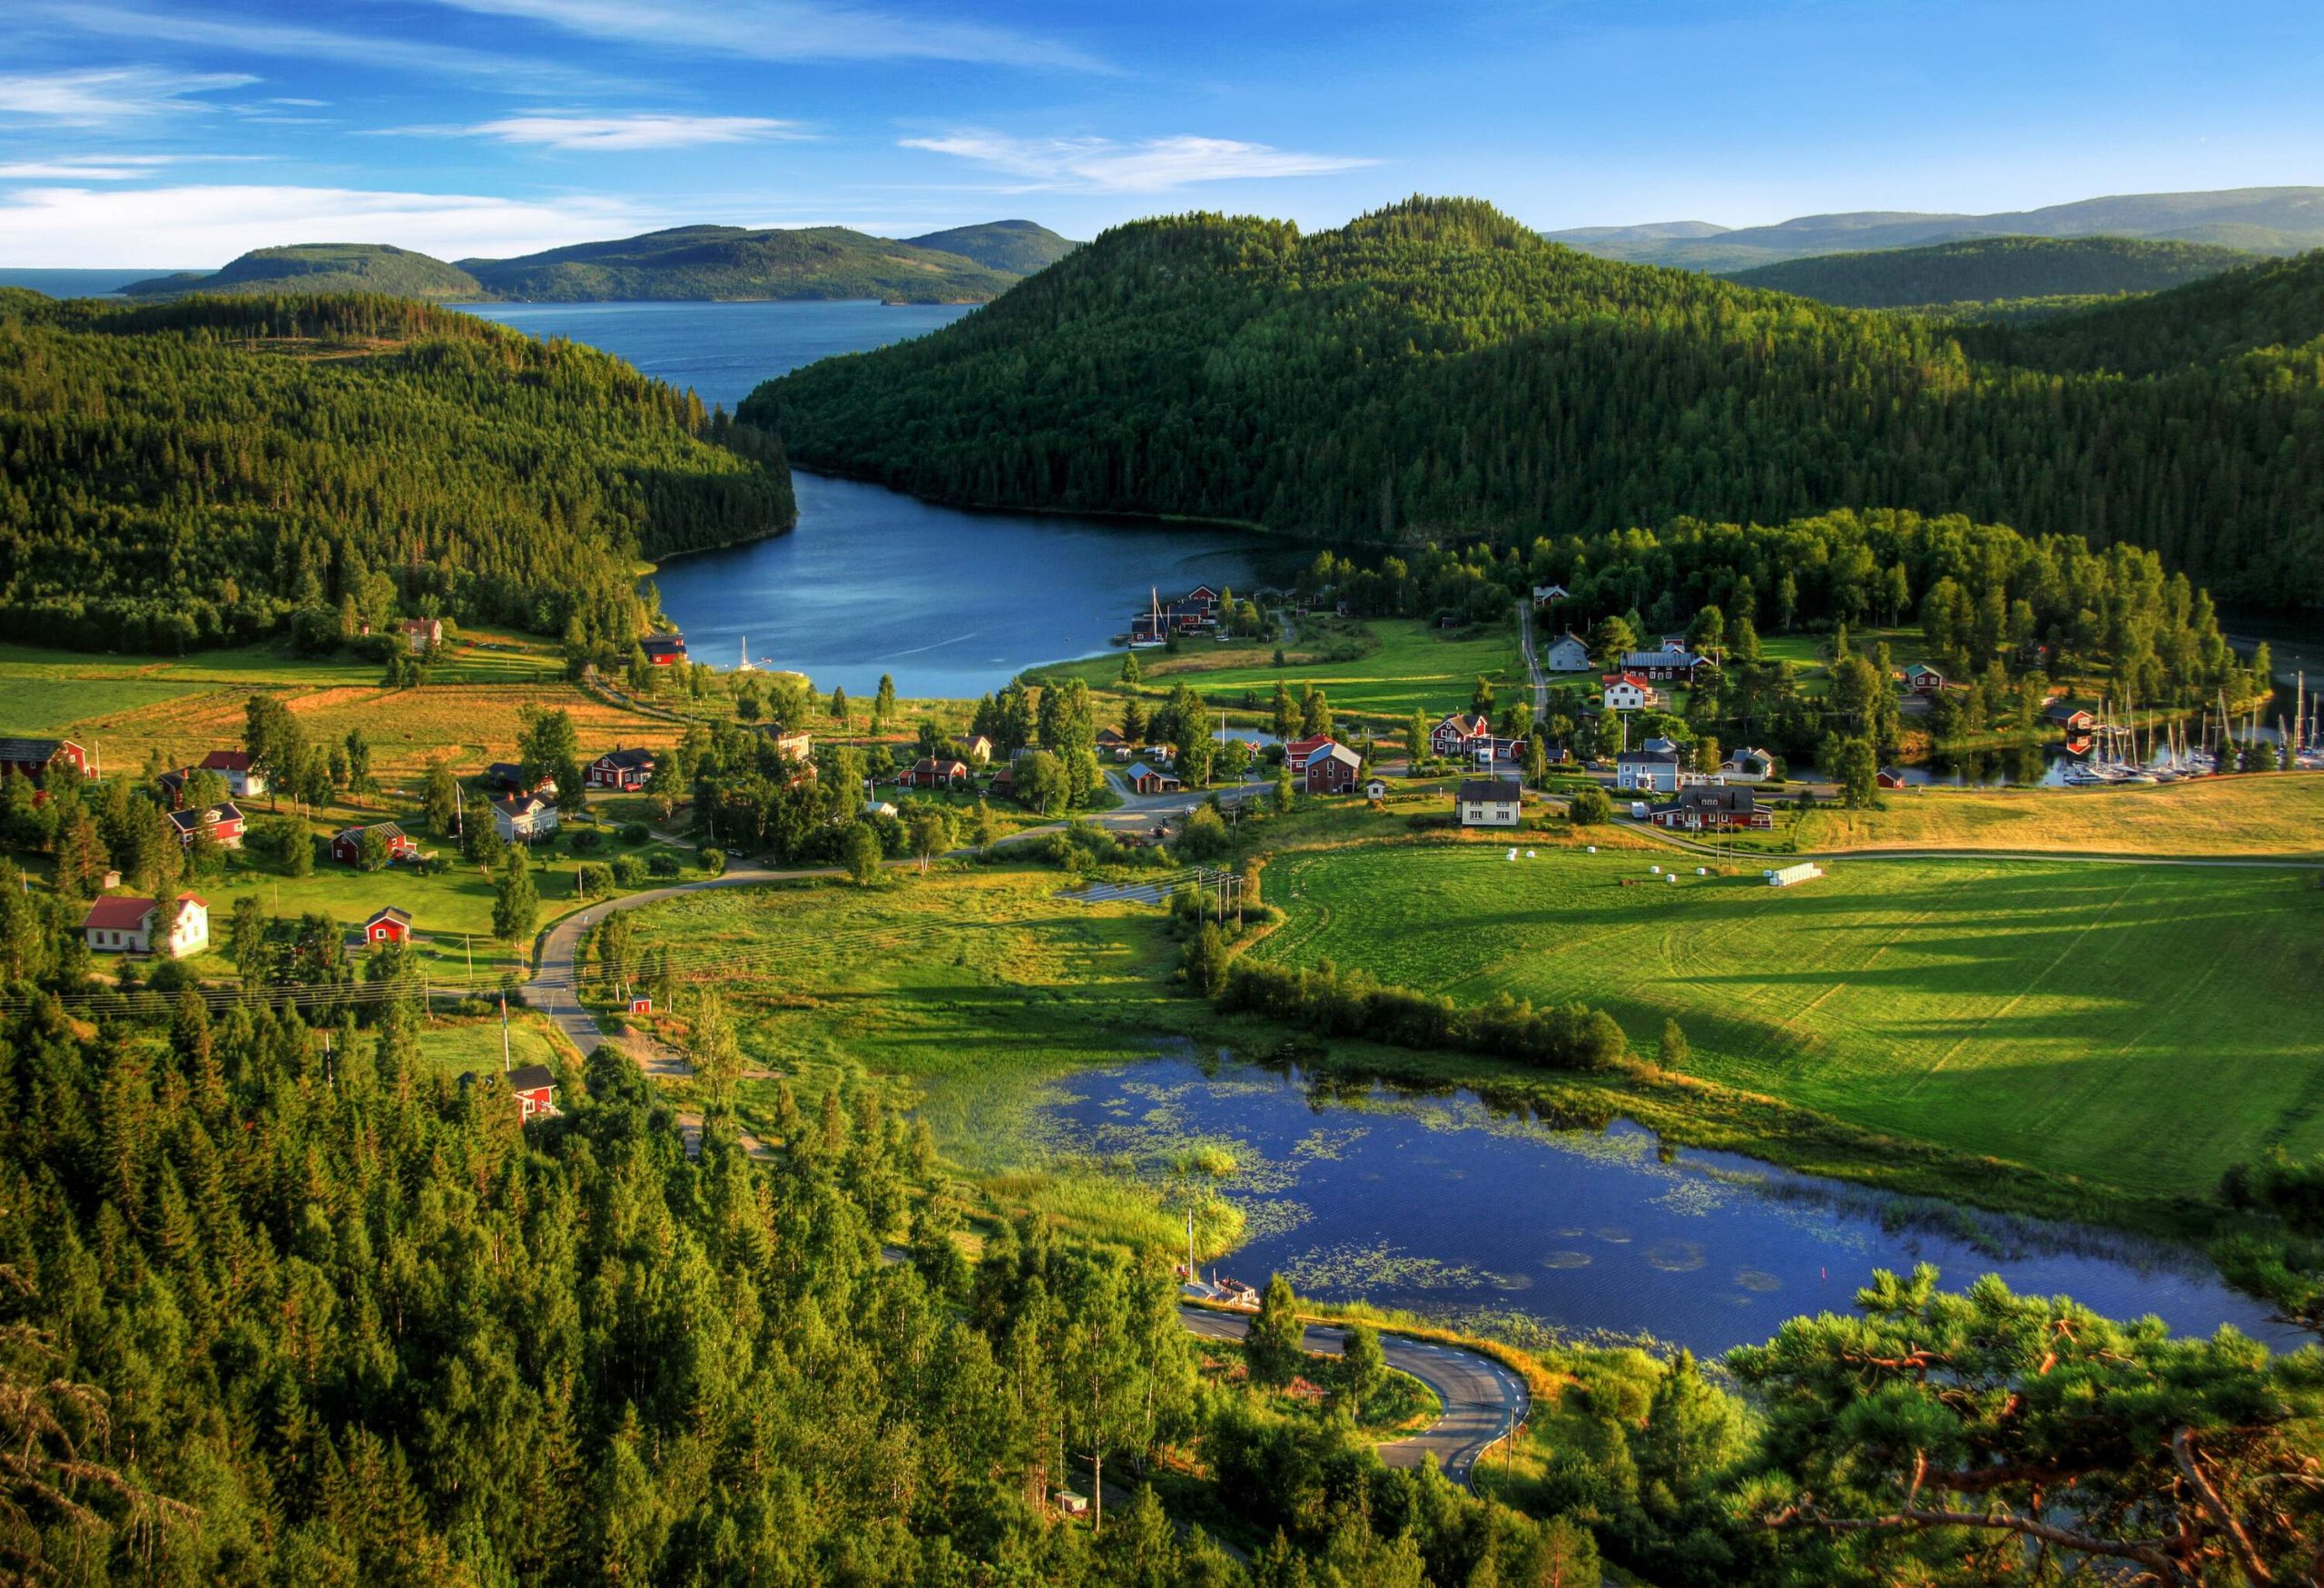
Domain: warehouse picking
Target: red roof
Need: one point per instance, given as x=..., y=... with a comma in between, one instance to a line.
x=1300, y=749
x=118, y=913
x=226, y=761
x=1632, y=679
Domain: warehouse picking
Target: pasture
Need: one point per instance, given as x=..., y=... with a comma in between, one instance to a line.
x=2279, y=814
x=2142, y=1027
x=1409, y=666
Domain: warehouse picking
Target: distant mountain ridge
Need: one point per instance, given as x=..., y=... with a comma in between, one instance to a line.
x=2262, y=220
x=968, y=264
x=321, y=267
x=1989, y=270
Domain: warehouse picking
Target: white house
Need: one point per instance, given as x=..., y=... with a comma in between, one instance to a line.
x=1568, y=652
x=1628, y=692
x=1651, y=771
x=1749, y=765
x=117, y=925
x=243, y=779
x=521, y=818
x=1487, y=802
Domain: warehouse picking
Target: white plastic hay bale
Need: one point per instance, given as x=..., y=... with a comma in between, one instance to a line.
x=1670, y=876
x=1531, y=855
x=1512, y=855
x=1658, y=871
x=1593, y=849
x=1703, y=870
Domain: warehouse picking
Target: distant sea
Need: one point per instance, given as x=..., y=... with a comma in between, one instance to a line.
x=79, y=283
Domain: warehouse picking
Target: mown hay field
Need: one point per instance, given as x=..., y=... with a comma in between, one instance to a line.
x=2142, y=1026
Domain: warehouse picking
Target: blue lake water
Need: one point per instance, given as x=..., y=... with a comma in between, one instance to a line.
x=1439, y=1204
x=75, y=283
x=873, y=581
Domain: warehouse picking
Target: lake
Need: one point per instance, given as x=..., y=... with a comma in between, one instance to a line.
x=873, y=581
x=1438, y=1204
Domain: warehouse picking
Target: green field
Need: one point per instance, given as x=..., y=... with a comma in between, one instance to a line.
x=1412, y=667
x=2140, y=1026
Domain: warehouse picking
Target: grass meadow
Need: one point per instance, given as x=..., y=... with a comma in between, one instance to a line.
x=2141, y=1027
x=1408, y=667
x=976, y=989
x=2278, y=813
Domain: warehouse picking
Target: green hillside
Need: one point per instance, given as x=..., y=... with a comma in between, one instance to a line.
x=323, y=267
x=1018, y=247
x=1436, y=369
x=2276, y=304
x=208, y=470
x=729, y=264
x=1987, y=268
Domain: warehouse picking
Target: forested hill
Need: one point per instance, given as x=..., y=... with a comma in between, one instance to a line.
x=214, y=469
x=1986, y=269
x=2276, y=304
x=1436, y=369
x=729, y=264
x=1018, y=247
x=323, y=267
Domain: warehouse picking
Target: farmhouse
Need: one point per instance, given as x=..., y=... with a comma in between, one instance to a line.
x=663, y=650
x=1920, y=678
x=422, y=634
x=1545, y=594
x=388, y=924
x=1628, y=692
x=520, y=818
x=1647, y=771
x=1568, y=652
x=346, y=844
x=1331, y=769
x=1750, y=765
x=242, y=778
x=118, y=925
x=1296, y=754
x=1487, y=802
x=627, y=770
x=535, y=1090
x=1667, y=665
x=1153, y=780
x=979, y=749
x=935, y=772
x=509, y=778
x=222, y=821
x=1457, y=735
x=33, y=757
x=2073, y=719
x=1712, y=810
x=794, y=747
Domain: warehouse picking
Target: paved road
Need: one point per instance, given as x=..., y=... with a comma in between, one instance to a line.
x=1533, y=662
x=1482, y=1400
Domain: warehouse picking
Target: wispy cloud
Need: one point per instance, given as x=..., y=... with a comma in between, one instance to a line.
x=211, y=223
x=789, y=30
x=85, y=168
x=109, y=93
x=1102, y=166
x=293, y=41
x=646, y=131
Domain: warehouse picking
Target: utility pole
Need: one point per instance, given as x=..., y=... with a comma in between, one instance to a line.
x=504, y=1064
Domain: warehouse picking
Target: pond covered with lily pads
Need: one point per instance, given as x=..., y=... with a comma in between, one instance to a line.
x=1444, y=1205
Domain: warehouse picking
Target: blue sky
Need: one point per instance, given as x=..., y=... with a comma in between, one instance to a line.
x=179, y=133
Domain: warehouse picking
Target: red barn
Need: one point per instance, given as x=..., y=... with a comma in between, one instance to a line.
x=1331, y=769
x=33, y=757
x=347, y=845
x=389, y=924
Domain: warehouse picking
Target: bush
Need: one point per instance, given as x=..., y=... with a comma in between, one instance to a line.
x=1335, y=1003
x=592, y=880
x=629, y=871
x=1589, y=807
x=634, y=832
x=663, y=862
x=714, y=861
x=586, y=840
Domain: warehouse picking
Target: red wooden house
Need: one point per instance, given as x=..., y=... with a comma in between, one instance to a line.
x=1331, y=769
x=388, y=924
x=664, y=650
x=222, y=821
x=33, y=757
x=936, y=772
x=1455, y=738
x=535, y=1090
x=346, y=844
x=627, y=770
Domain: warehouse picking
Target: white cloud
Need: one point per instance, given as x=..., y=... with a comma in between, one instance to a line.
x=1102, y=166
x=64, y=227
x=109, y=93
x=787, y=30
x=85, y=168
x=634, y=131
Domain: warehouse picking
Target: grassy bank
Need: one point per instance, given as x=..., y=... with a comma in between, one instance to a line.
x=2047, y=1016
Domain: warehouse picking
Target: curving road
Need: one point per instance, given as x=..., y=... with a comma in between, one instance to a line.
x=1483, y=1401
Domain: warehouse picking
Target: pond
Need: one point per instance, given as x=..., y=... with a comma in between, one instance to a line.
x=1440, y=1205
x=950, y=602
